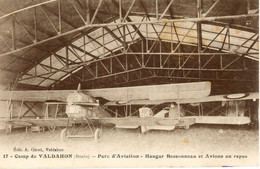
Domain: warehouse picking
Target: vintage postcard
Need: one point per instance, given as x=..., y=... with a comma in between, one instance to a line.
x=129, y=83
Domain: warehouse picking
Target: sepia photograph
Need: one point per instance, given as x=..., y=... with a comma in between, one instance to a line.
x=129, y=83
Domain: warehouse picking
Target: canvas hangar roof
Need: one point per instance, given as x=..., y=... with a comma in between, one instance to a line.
x=56, y=44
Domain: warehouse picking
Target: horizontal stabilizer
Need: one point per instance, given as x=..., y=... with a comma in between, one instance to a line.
x=146, y=121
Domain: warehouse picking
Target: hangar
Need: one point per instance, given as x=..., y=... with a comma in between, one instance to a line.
x=175, y=62
x=56, y=45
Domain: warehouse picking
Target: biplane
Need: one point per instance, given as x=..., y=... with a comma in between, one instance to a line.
x=154, y=107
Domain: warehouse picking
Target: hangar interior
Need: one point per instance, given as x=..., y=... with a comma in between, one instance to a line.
x=57, y=44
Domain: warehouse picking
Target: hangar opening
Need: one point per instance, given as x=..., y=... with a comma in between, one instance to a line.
x=147, y=64
x=57, y=45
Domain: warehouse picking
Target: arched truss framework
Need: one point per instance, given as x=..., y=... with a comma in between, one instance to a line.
x=128, y=40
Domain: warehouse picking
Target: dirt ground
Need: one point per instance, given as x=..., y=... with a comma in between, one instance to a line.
x=210, y=142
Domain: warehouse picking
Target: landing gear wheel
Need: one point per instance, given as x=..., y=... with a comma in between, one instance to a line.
x=64, y=135
x=51, y=128
x=97, y=134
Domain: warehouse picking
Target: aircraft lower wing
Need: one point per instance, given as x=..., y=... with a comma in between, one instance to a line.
x=183, y=121
x=129, y=121
x=35, y=122
x=135, y=121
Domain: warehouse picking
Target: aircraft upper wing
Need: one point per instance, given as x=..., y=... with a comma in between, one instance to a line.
x=139, y=95
x=154, y=92
x=36, y=95
x=122, y=94
x=238, y=96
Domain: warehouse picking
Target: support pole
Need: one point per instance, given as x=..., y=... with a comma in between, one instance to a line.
x=56, y=112
x=35, y=25
x=67, y=56
x=156, y=7
x=120, y=10
x=126, y=107
x=142, y=46
x=87, y=12
x=21, y=108
x=47, y=111
x=59, y=8
x=199, y=34
x=13, y=33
